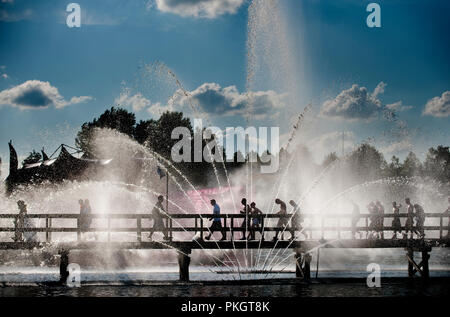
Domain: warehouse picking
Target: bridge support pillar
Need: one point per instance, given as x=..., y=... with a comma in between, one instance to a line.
x=410, y=265
x=307, y=267
x=298, y=265
x=302, y=265
x=425, y=267
x=63, y=264
x=183, y=261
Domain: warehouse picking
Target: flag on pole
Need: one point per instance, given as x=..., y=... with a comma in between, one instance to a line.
x=160, y=172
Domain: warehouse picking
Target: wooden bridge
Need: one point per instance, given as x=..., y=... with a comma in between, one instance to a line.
x=324, y=230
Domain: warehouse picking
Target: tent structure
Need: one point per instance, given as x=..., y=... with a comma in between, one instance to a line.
x=64, y=167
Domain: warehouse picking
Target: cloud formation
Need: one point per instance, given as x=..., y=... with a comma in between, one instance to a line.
x=438, y=106
x=354, y=104
x=198, y=8
x=357, y=104
x=331, y=142
x=397, y=147
x=36, y=94
x=211, y=98
x=137, y=101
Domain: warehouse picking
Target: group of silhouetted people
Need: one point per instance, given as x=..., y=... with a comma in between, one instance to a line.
x=415, y=219
x=254, y=220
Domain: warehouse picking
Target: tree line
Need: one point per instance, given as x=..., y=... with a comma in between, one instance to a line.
x=365, y=162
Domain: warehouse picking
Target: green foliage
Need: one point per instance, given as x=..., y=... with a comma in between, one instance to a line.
x=367, y=163
x=115, y=118
x=329, y=159
x=32, y=158
x=437, y=164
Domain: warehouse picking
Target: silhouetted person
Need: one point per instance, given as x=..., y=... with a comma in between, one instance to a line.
x=256, y=215
x=282, y=221
x=217, y=222
x=158, y=214
x=85, y=221
x=23, y=222
x=356, y=215
x=396, y=224
x=420, y=219
x=246, y=224
x=409, y=225
x=380, y=219
x=371, y=207
x=297, y=219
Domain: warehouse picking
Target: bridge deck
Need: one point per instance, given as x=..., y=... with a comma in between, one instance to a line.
x=181, y=228
x=303, y=246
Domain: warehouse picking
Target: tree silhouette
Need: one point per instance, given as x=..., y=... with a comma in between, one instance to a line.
x=32, y=158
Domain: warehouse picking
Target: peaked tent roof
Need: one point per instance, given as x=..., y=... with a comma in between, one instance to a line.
x=64, y=167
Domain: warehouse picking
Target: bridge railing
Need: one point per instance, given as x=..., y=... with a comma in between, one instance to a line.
x=313, y=223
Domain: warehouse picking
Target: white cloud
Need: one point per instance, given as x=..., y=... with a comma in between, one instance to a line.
x=397, y=147
x=438, y=106
x=80, y=99
x=331, y=142
x=157, y=109
x=379, y=89
x=398, y=106
x=211, y=98
x=137, y=101
x=357, y=104
x=36, y=94
x=15, y=16
x=353, y=104
x=197, y=8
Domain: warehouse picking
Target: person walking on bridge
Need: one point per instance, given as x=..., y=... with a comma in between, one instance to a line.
x=380, y=219
x=420, y=219
x=409, y=225
x=256, y=216
x=297, y=219
x=217, y=222
x=246, y=224
x=396, y=224
x=282, y=221
x=371, y=207
x=356, y=215
x=23, y=222
x=158, y=214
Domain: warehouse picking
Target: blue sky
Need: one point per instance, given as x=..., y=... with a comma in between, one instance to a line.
x=53, y=78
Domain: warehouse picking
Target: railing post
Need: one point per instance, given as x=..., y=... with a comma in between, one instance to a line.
x=232, y=227
x=109, y=229
x=367, y=226
x=201, y=228
x=171, y=227
x=441, y=225
x=48, y=224
x=322, y=222
x=79, y=228
x=339, y=228
x=139, y=228
x=262, y=226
